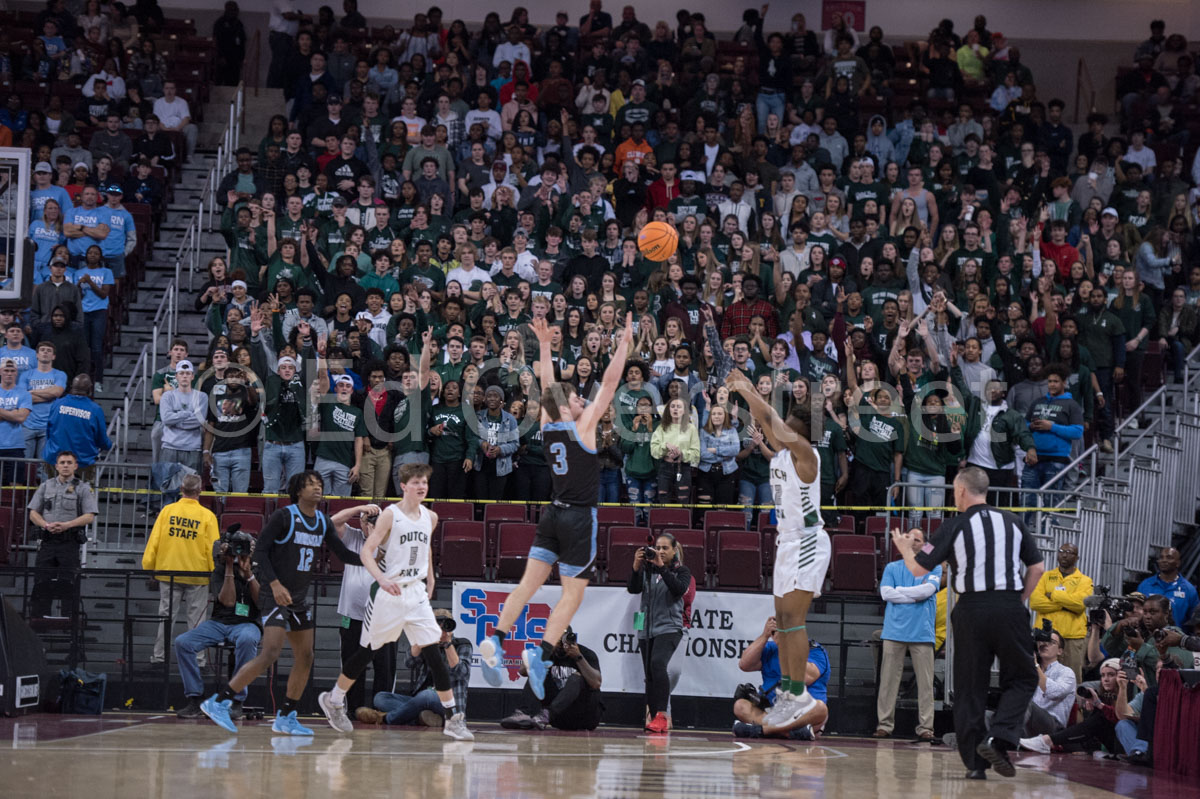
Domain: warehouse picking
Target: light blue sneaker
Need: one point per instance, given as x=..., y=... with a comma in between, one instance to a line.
x=218, y=711
x=537, y=668
x=289, y=725
x=491, y=660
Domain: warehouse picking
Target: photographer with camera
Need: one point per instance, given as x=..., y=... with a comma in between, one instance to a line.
x=665, y=584
x=1103, y=612
x=1097, y=725
x=1050, y=708
x=61, y=509
x=1133, y=638
x=572, y=691
x=1059, y=599
x=421, y=704
x=750, y=704
x=184, y=536
x=235, y=618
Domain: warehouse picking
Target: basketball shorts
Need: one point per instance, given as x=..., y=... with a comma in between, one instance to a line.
x=294, y=618
x=387, y=616
x=801, y=560
x=567, y=535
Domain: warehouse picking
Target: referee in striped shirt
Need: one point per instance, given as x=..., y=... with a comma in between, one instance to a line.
x=986, y=549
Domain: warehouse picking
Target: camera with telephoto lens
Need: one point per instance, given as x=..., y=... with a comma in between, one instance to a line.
x=1045, y=635
x=447, y=624
x=570, y=638
x=753, y=695
x=1100, y=602
x=236, y=543
x=650, y=552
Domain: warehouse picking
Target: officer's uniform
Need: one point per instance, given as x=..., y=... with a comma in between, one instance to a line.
x=59, y=501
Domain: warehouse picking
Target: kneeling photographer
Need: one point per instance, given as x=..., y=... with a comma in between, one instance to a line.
x=235, y=618
x=664, y=584
x=572, y=691
x=750, y=704
x=421, y=704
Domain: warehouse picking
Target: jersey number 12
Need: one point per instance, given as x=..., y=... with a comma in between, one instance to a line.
x=306, y=558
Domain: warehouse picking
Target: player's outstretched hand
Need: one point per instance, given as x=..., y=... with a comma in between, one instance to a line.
x=541, y=329
x=736, y=381
x=627, y=333
x=391, y=586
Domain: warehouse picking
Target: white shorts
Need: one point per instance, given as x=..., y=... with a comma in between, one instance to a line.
x=801, y=560
x=388, y=616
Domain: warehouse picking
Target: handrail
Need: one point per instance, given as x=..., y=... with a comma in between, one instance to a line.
x=1158, y=396
x=1082, y=73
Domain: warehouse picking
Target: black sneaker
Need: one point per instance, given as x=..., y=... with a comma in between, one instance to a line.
x=191, y=710
x=235, y=710
x=995, y=752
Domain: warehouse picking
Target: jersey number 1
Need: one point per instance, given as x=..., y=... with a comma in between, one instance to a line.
x=559, y=451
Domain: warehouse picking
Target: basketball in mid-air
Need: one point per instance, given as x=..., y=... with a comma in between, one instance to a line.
x=658, y=241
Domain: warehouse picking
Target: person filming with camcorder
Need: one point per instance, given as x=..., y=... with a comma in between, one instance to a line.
x=235, y=618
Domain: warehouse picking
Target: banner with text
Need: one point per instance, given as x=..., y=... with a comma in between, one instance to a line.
x=723, y=625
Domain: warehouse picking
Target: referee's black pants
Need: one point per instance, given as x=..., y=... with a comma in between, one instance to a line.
x=988, y=626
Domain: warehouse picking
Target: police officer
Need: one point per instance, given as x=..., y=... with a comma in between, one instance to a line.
x=987, y=550
x=61, y=509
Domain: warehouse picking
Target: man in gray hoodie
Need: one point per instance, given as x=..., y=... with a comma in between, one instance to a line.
x=183, y=411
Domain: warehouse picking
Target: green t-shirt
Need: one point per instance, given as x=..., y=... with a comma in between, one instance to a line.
x=340, y=425
x=829, y=446
x=877, y=439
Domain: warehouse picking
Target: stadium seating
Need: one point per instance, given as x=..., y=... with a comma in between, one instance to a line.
x=493, y=515
x=622, y=543
x=251, y=523
x=739, y=560
x=660, y=518
x=853, y=564
x=512, y=549
x=463, y=550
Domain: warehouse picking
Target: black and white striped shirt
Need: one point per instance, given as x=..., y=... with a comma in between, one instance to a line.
x=985, y=548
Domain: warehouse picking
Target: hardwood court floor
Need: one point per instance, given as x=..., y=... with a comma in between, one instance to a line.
x=126, y=756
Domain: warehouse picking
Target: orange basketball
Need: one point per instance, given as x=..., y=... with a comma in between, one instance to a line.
x=658, y=241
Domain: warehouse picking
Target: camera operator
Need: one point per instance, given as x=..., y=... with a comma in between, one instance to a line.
x=572, y=691
x=235, y=618
x=1097, y=726
x=664, y=582
x=61, y=509
x=1102, y=616
x=421, y=704
x=1058, y=598
x=750, y=704
x=1050, y=708
x=1133, y=638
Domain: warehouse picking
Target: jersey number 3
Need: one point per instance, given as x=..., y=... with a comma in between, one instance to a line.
x=306, y=558
x=559, y=451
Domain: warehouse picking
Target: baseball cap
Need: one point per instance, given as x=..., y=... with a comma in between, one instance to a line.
x=43, y=166
x=333, y=98
x=184, y=366
x=286, y=359
x=7, y=362
x=639, y=82
x=340, y=202
x=1110, y=211
x=113, y=188
x=343, y=379
x=81, y=164
x=691, y=174
x=364, y=315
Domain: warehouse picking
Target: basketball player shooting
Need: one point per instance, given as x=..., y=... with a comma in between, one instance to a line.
x=802, y=549
x=566, y=533
x=398, y=556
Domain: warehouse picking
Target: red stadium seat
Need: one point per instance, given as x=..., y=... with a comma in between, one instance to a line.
x=660, y=518
x=263, y=505
x=515, y=539
x=692, y=544
x=845, y=524
x=493, y=515
x=853, y=564
x=251, y=523
x=716, y=521
x=739, y=559
x=463, y=550
x=606, y=519
x=622, y=543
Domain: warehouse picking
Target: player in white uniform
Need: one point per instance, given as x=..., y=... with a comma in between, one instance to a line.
x=802, y=546
x=397, y=553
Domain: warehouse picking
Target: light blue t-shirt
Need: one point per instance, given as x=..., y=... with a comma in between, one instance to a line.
x=1179, y=592
x=91, y=300
x=45, y=238
x=11, y=434
x=910, y=622
x=87, y=218
x=26, y=358
x=34, y=380
x=120, y=223
x=38, y=197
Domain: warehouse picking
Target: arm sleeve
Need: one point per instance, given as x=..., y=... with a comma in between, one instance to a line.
x=266, y=543
x=344, y=553
x=917, y=593
x=634, y=586
x=677, y=580
x=892, y=594
x=938, y=551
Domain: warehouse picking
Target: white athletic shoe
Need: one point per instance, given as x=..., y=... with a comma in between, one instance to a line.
x=1036, y=744
x=787, y=713
x=456, y=728
x=335, y=714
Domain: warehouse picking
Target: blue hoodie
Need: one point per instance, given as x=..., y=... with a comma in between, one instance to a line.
x=75, y=423
x=1066, y=416
x=880, y=146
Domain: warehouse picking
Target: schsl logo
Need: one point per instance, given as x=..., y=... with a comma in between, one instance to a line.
x=481, y=609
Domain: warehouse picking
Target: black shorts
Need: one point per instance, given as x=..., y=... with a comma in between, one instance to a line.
x=294, y=618
x=567, y=535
